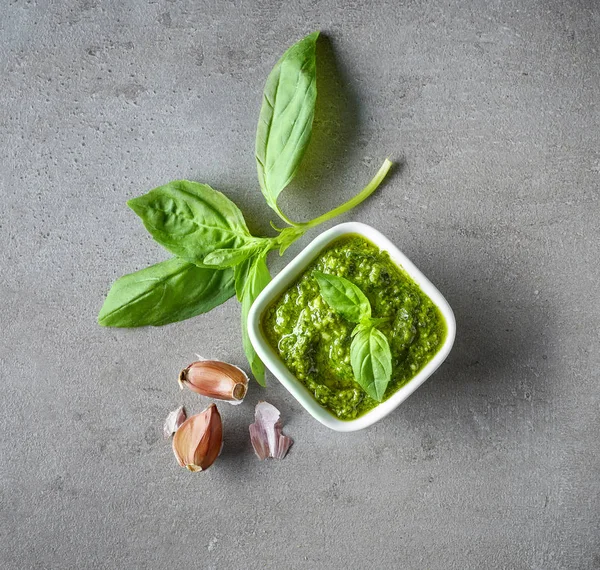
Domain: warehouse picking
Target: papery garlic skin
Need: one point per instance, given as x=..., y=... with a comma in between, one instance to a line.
x=198, y=441
x=174, y=421
x=265, y=433
x=215, y=379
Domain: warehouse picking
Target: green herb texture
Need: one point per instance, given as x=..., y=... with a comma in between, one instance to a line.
x=215, y=253
x=370, y=353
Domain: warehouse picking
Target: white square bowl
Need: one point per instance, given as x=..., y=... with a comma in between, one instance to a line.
x=290, y=273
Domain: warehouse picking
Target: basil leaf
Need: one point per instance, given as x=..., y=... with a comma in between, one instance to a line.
x=222, y=258
x=241, y=273
x=167, y=292
x=286, y=116
x=288, y=236
x=371, y=361
x=256, y=277
x=359, y=327
x=191, y=220
x=344, y=297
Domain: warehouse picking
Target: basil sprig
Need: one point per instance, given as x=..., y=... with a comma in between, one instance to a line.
x=370, y=353
x=215, y=253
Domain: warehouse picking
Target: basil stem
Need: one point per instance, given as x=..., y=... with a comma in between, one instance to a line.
x=353, y=202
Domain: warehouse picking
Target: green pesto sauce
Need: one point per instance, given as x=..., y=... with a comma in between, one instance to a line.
x=314, y=341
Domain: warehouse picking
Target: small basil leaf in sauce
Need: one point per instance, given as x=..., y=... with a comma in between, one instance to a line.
x=167, y=292
x=286, y=117
x=359, y=327
x=191, y=220
x=344, y=297
x=371, y=361
x=253, y=276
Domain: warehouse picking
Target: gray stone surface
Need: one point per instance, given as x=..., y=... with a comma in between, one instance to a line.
x=493, y=110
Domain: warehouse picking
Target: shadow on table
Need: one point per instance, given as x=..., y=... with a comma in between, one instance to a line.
x=499, y=354
x=336, y=123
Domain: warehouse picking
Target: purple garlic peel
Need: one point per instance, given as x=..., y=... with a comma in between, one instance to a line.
x=265, y=433
x=173, y=421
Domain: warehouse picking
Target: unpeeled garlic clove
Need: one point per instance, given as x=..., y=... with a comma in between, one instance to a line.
x=215, y=379
x=198, y=441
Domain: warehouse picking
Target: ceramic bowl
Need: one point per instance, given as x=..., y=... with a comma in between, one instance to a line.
x=290, y=273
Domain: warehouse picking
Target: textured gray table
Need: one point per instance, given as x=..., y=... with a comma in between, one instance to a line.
x=493, y=109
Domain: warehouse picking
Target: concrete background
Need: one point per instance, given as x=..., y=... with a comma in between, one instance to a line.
x=493, y=110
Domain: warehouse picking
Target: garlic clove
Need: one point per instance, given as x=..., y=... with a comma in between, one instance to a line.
x=198, y=441
x=215, y=379
x=265, y=433
x=173, y=421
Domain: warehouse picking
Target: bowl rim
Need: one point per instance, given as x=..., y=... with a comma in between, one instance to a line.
x=290, y=273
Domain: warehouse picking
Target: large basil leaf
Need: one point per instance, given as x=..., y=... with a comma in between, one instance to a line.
x=255, y=276
x=371, y=361
x=344, y=297
x=167, y=292
x=286, y=116
x=191, y=220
